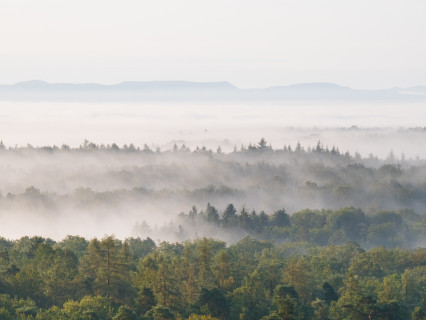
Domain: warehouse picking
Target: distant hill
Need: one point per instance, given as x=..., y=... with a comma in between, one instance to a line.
x=36, y=90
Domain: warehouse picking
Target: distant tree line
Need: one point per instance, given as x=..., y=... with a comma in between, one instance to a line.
x=260, y=146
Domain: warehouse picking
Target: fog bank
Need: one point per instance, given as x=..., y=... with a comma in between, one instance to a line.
x=387, y=126
x=106, y=189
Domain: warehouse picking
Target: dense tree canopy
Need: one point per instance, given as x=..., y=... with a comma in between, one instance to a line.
x=207, y=279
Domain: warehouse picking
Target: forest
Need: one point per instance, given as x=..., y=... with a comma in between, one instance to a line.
x=123, y=232
x=115, y=189
x=205, y=278
x=212, y=160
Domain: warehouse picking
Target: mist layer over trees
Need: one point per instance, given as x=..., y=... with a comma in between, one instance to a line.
x=386, y=126
x=296, y=232
x=127, y=190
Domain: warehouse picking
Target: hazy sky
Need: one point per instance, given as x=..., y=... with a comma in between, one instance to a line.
x=362, y=44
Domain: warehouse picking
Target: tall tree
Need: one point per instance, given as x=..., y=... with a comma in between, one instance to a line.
x=298, y=274
x=107, y=267
x=229, y=216
x=211, y=214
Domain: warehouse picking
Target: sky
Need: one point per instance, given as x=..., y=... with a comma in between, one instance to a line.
x=357, y=43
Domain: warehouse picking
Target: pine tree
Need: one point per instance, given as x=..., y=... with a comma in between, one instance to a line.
x=107, y=265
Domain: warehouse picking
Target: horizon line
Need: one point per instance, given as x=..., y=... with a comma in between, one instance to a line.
x=205, y=82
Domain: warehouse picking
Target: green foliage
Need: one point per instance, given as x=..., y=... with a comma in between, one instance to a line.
x=298, y=274
x=249, y=300
x=229, y=216
x=78, y=245
x=205, y=279
x=286, y=301
x=90, y=307
x=145, y=300
x=213, y=302
x=124, y=313
x=321, y=310
x=390, y=229
x=211, y=214
x=159, y=313
x=106, y=266
x=329, y=294
x=201, y=317
x=418, y=314
x=280, y=219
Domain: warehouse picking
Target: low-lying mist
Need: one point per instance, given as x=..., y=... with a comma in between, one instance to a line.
x=150, y=161
x=365, y=127
x=93, y=190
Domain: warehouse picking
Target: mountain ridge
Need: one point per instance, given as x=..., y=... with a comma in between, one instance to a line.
x=190, y=90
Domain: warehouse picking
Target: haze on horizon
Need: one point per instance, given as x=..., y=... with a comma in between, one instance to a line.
x=360, y=44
